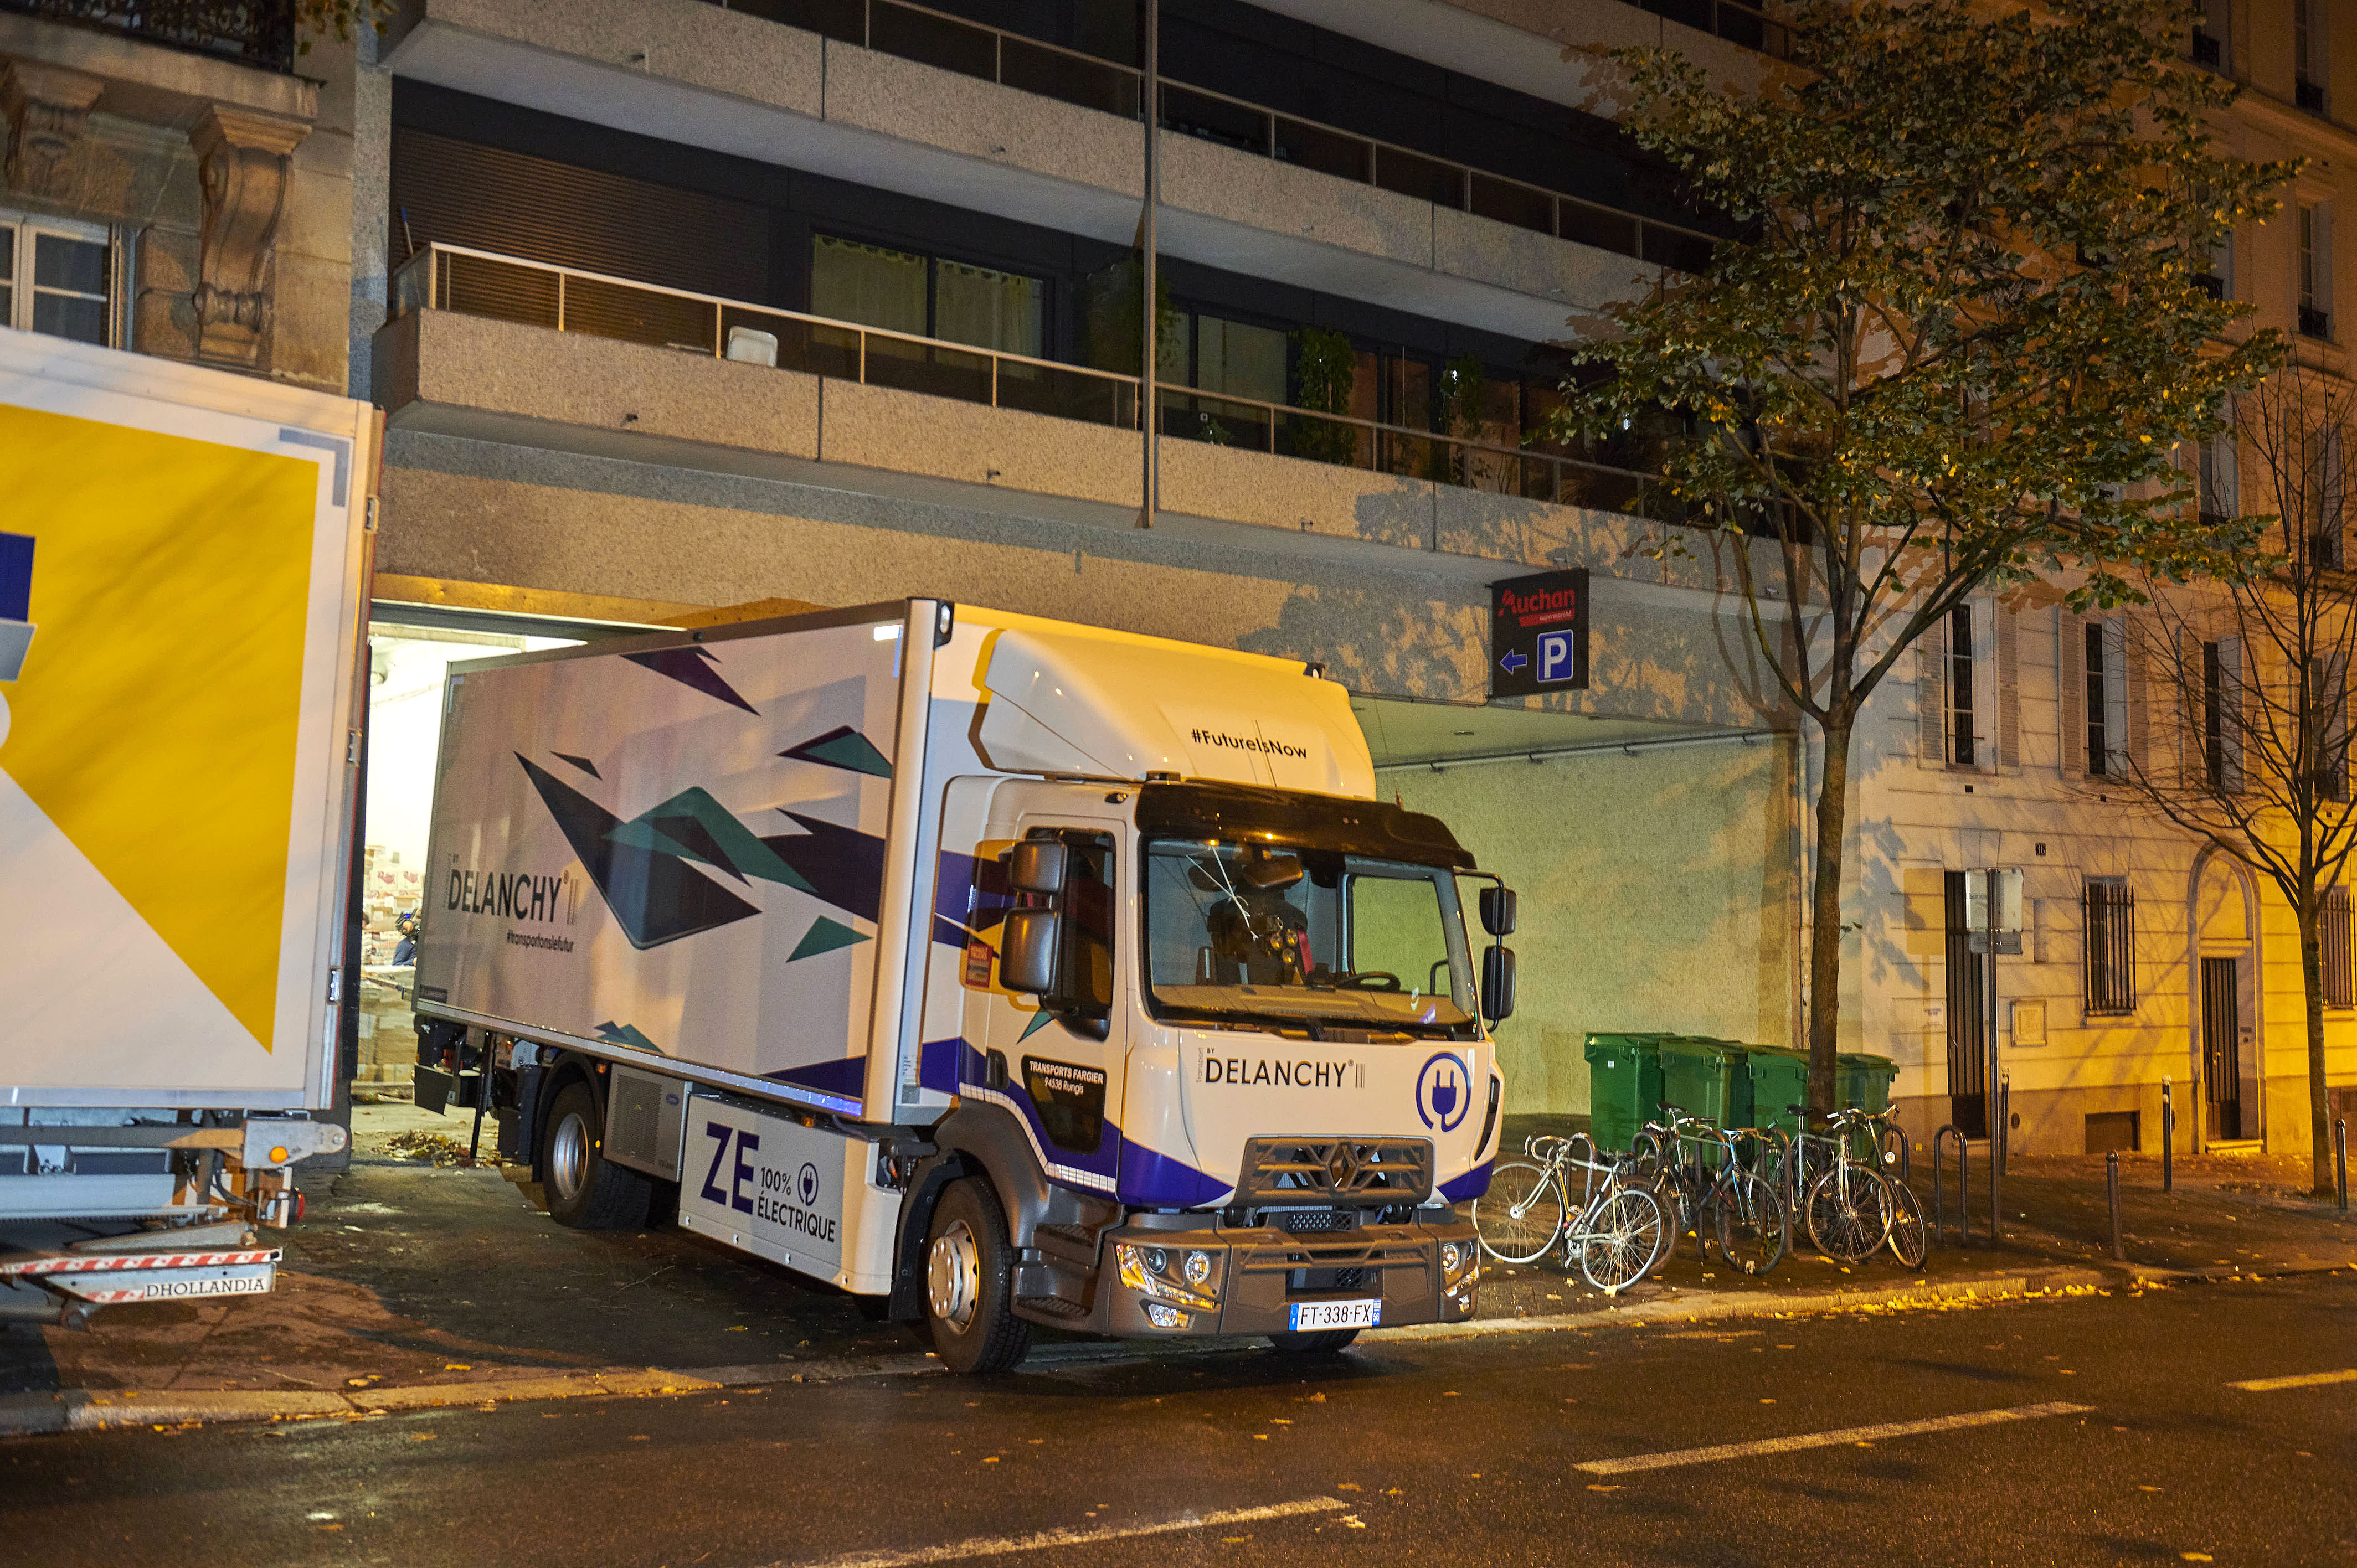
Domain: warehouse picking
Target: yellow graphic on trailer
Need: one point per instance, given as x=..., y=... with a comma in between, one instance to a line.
x=150, y=735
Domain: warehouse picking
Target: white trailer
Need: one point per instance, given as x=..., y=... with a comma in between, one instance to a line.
x=181, y=561
x=1022, y=973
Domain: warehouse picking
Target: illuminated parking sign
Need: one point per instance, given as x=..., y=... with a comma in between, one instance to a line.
x=1538, y=634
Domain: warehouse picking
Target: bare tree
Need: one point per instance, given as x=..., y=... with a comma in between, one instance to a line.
x=2257, y=673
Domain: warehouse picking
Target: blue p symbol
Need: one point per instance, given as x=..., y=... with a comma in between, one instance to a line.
x=1555, y=656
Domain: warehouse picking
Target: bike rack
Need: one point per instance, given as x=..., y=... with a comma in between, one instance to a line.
x=1940, y=1190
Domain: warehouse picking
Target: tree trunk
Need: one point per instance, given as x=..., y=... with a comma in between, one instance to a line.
x=1824, y=917
x=2311, y=979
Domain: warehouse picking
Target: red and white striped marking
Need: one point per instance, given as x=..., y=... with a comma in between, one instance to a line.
x=106, y=1263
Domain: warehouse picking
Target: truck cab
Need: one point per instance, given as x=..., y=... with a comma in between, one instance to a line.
x=1241, y=1031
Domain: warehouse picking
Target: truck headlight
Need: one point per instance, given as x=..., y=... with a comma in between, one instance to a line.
x=1145, y=1270
x=1198, y=1267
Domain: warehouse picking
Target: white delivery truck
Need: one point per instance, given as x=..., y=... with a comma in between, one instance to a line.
x=181, y=561
x=1021, y=972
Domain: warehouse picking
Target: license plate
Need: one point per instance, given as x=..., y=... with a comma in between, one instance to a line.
x=1313, y=1315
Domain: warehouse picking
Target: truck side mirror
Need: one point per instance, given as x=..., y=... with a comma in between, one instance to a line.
x=1498, y=984
x=1500, y=909
x=1026, y=949
x=1037, y=865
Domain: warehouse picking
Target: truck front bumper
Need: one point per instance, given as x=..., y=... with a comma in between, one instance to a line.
x=1171, y=1284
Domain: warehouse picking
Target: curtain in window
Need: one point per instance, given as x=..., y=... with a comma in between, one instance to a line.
x=869, y=284
x=70, y=287
x=987, y=308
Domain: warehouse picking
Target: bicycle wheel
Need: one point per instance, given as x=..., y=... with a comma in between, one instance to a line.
x=1908, y=1239
x=1521, y=1215
x=1754, y=1229
x=1846, y=1216
x=1619, y=1243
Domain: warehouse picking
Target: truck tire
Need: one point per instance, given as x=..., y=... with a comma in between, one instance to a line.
x=970, y=1283
x=585, y=1190
x=1314, y=1342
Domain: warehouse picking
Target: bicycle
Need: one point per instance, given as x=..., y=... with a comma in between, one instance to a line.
x=1619, y=1232
x=1854, y=1209
x=1717, y=1185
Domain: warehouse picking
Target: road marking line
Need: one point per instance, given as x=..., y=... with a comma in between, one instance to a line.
x=1007, y=1545
x=2299, y=1380
x=1826, y=1439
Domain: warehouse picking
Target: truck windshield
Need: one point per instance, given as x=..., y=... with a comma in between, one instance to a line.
x=1264, y=933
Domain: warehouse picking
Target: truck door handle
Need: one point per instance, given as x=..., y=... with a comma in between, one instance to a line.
x=994, y=1068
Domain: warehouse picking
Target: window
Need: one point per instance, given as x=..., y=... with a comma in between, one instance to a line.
x=2210, y=27
x=925, y=296
x=2315, y=271
x=1962, y=751
x=2327, y=500
x=2221, y=714
x=2308, y=56
x=2107, y=698
x=2327, y=723
x=53, y=278
x=2221, y=496
x=2333, y=934
x=2110, y=925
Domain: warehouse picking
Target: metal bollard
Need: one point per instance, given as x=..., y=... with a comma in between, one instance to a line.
x=2111, y=1181
x=2340, y=1161
x=2167, y=1139
x=1940, y=1190
x=1997, y=1143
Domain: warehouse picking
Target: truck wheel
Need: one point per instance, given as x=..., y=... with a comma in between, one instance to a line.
x=970, y=1281
x=1315, y=1342
x=585, y=1190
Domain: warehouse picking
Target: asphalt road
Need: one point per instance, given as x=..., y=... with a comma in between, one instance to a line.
x=1513, y=1449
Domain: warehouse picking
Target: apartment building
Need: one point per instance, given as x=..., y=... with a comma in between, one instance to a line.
x=177, y=182
x=692, y=306
x=2144, y=957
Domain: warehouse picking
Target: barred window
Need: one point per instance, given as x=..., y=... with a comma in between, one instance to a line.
x=2111, y=945
x=2340, y=971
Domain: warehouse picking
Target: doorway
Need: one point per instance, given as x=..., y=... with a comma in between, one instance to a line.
x=2222, y=1033
x=1967, y=1015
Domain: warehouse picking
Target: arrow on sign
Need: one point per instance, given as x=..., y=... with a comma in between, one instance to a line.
x=1514, y=662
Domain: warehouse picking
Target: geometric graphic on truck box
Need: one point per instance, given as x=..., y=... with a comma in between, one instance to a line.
x=643, y=867
x=154, y=729
x=824, y=936
x=692, y=667
x=583, y=762
x=694, y=826
x=656, y=896
x=15, y=602
x=627, y=1035
x=843, y=747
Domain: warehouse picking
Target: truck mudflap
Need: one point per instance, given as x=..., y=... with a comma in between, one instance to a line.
x=1272, y=1279
x=67, y=1283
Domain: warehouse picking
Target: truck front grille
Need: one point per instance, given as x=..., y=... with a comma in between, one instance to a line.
x=1366, y=1173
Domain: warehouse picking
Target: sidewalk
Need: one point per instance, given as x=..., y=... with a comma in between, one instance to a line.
x=409, y=1284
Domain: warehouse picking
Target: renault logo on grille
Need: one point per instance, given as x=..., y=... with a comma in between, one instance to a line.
x=1342, y=1168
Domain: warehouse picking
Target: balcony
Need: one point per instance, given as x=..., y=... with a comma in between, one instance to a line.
x=2308, y=95
x=2315, y=323
x=503, y=288
x=251, y=32
x=1011, y=59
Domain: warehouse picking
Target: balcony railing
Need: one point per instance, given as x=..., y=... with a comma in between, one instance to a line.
x=2315, y=323
x=506, y=288
x=252, y=32
x=951, y=43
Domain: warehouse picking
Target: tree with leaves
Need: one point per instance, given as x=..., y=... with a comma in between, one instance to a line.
x=2256, y=674
x=1958, y=336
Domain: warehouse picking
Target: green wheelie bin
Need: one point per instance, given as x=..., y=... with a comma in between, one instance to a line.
x=1624, y=1085
x=1863, y=1080
x=1780, y=1078
x=1698, y=1076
